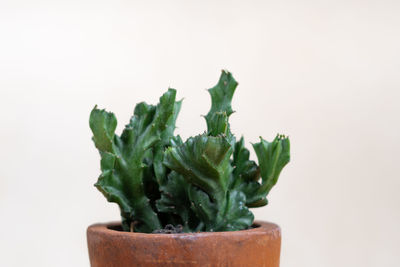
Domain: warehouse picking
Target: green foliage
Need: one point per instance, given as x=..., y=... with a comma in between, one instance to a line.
x=207, y=183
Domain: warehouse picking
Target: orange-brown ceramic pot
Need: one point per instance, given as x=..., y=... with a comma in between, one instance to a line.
x=259, y=246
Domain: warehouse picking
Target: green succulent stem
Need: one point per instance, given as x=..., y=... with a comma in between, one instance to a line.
x=206, y=183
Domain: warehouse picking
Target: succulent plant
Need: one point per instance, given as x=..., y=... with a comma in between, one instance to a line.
x=207, y=183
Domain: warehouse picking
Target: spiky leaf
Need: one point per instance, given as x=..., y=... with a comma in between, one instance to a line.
x=203, y=161
x=221, y=97
x=237, y=215
x=123, y=165
x=175, y=200
x=246, y=175
x=272, y=157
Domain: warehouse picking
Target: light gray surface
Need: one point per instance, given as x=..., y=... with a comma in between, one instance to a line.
x=324, y=72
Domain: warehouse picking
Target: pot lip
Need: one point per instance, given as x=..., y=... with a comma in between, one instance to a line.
x=263, y=227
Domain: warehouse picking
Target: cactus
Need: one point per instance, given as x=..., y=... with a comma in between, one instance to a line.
x=207, y=183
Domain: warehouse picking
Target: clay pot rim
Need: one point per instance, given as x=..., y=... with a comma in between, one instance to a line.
x=104, y=228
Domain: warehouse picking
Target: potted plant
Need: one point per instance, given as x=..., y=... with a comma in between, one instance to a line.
x=199, y=190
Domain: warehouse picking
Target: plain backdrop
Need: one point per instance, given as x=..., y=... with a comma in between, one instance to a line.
x=326, y=73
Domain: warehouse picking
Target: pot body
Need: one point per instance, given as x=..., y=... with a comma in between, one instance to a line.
x=259, y=246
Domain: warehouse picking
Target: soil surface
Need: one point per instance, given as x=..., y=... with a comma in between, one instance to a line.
x=169, y=229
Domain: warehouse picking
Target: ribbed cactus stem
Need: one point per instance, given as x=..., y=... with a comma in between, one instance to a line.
x=206, y=183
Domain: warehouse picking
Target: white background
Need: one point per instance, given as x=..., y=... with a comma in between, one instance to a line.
x=327, y=73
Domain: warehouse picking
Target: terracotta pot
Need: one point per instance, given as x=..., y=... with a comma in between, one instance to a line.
x=259, y=246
